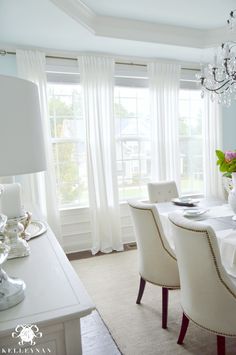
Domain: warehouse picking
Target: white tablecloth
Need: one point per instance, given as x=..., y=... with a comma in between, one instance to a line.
x=226, y=238
x=227, y=244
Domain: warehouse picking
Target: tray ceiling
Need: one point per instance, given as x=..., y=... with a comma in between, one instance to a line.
x=199, y=14
x=190, y=25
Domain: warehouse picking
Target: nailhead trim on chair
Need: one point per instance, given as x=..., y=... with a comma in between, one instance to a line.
x=208, y=329
x=158, y=230
x=166, y=286
x=218, y=273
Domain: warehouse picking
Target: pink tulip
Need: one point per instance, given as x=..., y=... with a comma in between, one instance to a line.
x=229, y=155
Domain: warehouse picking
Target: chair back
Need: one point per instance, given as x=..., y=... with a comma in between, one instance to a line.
x=162, y=191
x=157, y=261
x=208, y=295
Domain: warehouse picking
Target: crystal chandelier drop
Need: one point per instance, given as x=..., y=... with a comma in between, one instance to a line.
x=219, y=78
x=231, y=19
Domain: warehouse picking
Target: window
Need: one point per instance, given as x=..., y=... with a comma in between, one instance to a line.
x=132, y=136
x=191, y=141
x=68, y=139
x=133, y=151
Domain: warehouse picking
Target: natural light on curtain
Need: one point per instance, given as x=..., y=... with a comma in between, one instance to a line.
x=40, y=189
x=212, y=132
x=97, y=81
x=191, y=141
x=164, y=81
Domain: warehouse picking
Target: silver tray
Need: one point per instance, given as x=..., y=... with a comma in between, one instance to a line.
x=35, y=229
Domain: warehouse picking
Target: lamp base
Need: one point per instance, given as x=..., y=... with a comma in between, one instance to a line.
x=12, y=291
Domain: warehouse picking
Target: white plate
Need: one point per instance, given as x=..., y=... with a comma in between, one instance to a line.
x=194, y=212
x=35, y=229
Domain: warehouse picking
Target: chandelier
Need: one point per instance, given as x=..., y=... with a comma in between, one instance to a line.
x=219, y=78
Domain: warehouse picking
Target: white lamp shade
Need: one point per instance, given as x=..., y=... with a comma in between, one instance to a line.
x=21, y=135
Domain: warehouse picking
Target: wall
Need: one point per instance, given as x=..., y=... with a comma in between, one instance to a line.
x=229, y=127
x=8, y=65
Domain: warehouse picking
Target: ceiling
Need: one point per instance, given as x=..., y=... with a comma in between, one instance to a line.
x=203, y=14
x=147, y=30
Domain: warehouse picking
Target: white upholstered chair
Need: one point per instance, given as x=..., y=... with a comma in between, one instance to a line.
x=162, y=191
x=157, y=262
x=208, y=295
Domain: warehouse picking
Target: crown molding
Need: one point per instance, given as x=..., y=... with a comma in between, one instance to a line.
x=77, y=10
x=128, y=29
x=148, y=32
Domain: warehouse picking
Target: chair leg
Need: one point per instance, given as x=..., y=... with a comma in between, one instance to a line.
x=183, y=330
x=164, y=307
x=220, y=345
x=141, y=289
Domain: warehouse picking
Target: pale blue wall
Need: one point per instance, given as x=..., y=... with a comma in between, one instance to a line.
x=8, y=65
x=229, y=127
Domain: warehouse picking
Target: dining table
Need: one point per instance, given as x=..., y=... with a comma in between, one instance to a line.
x=218, y=214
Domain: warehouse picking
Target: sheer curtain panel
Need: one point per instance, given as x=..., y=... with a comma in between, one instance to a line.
x=40, y=189
x=97, y=76
x=164, y=79
x=212, y=133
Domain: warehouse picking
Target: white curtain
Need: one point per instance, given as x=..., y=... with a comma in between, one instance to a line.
x=164, y=79
x=212, y=135
x=39, y=190
x=97, y=75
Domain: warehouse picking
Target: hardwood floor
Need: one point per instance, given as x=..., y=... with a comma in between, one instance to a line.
x=87, y=253
x=96, y=339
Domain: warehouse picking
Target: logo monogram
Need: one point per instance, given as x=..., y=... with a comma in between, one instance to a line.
x=27, y=333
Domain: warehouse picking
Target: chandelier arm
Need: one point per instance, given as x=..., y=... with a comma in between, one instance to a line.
x=220, y=87
x=232, y=83
x=214, y=75
x=222, y=92
x=226, y=66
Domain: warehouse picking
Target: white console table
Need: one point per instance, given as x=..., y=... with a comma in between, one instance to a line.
x=55, y=300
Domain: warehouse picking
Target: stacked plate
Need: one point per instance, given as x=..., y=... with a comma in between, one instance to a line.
x=194, y=212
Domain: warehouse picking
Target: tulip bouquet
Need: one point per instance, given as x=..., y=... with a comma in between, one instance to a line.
x=226, y=162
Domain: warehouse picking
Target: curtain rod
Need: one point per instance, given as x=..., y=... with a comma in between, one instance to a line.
x=4, y=52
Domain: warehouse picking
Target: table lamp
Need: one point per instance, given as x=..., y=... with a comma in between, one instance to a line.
x=21, y=152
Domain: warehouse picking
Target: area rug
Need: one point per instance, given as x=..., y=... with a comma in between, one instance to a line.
x=112, y=282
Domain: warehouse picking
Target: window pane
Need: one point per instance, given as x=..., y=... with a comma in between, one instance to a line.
x=133, y=141
x=68, y=140
x=65, y=111
x=191, y=141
